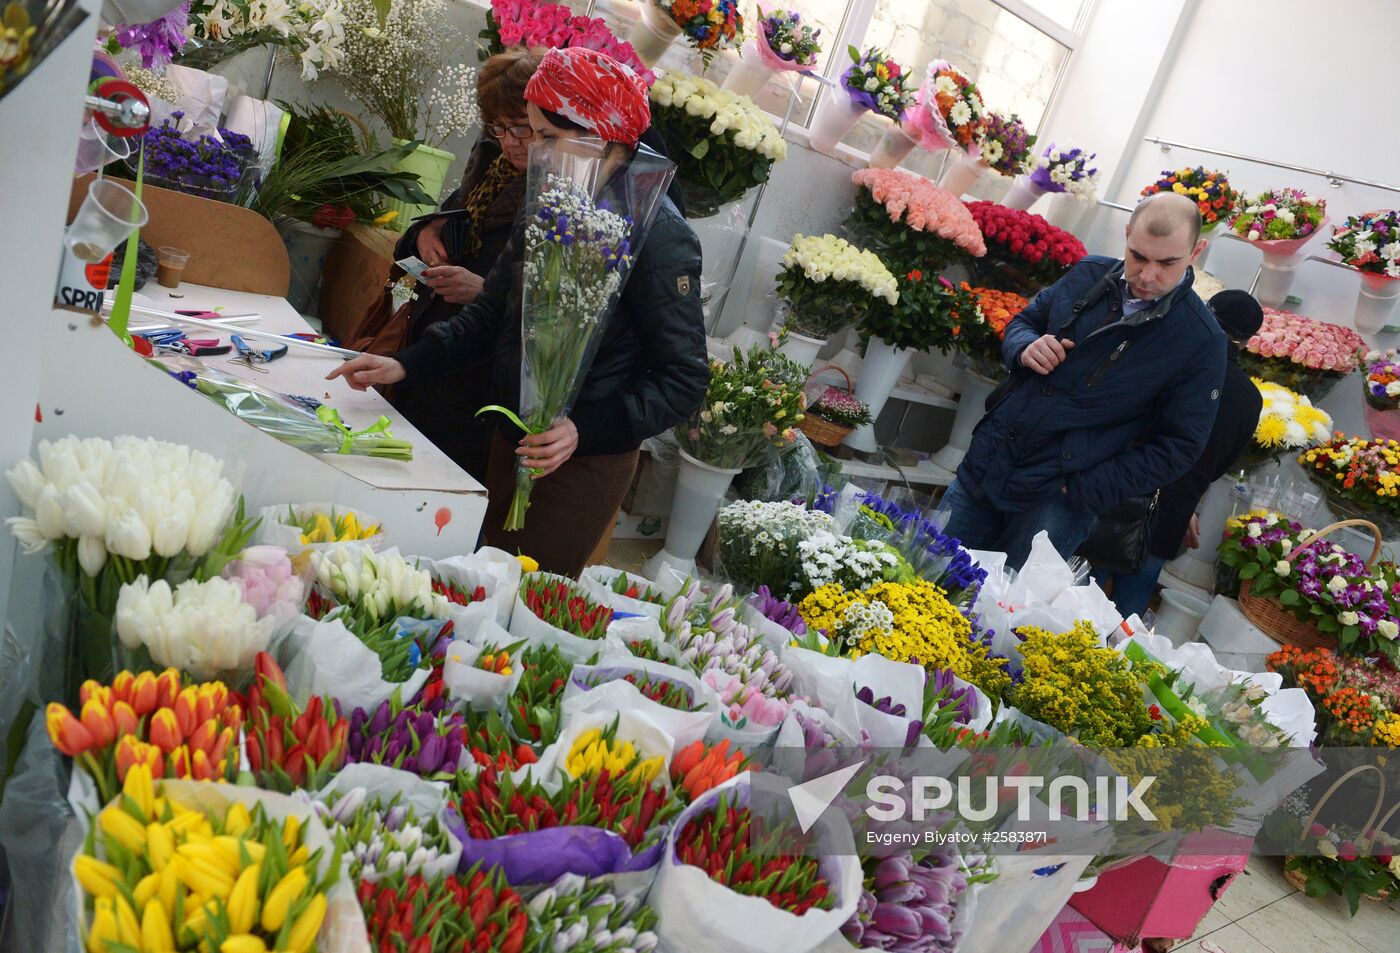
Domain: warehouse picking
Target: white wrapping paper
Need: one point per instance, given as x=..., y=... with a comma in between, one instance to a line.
x=618, y=695
x=334, y=662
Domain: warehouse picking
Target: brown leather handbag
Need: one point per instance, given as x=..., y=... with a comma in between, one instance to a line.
x=383, y=329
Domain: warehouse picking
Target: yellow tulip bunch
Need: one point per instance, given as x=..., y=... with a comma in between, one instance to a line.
x=596, y=751
x=330, y=528
x=173, y=877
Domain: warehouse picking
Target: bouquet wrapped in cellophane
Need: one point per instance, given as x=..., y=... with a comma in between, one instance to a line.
x=588, y=207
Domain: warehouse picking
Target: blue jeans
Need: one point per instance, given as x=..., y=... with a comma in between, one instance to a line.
x=980, y=525
x=1132, y=593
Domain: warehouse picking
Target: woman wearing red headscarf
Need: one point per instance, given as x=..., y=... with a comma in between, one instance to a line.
x=651, y=368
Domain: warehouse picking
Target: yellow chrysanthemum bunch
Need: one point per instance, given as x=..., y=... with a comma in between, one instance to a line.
x=1288, y=420
x=906, y=622
x=1085, y=689
x=1387, y=730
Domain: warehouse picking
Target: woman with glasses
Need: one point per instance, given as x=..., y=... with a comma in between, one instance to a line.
x=459, y=247
x=650, y=371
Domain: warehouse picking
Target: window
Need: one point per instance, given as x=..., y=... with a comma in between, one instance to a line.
x=1015, y=49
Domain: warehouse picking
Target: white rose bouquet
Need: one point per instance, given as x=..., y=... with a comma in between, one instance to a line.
x=828, y=284
x=723, y=144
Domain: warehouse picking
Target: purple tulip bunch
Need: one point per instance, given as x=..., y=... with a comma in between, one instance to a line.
x=963, y=699
x=908, y=905
x=887, y=706
x=778, y=610
x=424, y=739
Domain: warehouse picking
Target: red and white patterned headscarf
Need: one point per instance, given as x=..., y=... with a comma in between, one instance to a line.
x=594, y=90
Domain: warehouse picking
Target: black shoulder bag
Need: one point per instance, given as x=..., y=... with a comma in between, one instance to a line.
x=1119, y=541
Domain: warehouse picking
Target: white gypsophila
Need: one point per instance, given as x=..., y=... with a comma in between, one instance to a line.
x=585, y=285
x=203, y=628
x=729, y=113
x=454, y=99
x=132, y=496
x=826, y=257
x=400, y=71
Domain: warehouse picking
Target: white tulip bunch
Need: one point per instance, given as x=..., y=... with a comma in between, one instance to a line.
x=132, y=497
x=729, y=113
x=826, y=257
x=202, y=628
x=383, y=586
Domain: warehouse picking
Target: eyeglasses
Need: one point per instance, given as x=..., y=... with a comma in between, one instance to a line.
x=515, y=132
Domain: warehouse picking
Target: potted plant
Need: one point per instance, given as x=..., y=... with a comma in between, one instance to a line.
x=1280, y=222
x=1370, y=243
x=827, y=284
x=910, y=222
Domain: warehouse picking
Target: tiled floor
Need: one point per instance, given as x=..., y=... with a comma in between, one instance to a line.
x=1260, y=912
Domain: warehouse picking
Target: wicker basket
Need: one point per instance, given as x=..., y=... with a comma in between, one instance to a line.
x=819, y=430
x=1281, y=625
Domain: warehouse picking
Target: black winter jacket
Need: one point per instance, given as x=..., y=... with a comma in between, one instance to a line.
x=1127, y=411
x=1240, y=404
x=651, y=369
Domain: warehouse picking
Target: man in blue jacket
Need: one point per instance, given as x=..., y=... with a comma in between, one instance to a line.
x=1115, y=378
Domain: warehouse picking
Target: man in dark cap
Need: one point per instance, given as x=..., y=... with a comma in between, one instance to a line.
x=1175, y=529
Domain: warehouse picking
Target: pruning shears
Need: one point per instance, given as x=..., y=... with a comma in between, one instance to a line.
x=251, y=357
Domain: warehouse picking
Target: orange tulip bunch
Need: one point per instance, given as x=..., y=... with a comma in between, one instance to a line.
x=698, y=767
x=178, y=731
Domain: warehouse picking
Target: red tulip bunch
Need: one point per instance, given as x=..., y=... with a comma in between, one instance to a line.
x=534, y=705
x=662, y=691
x=1043, y=251
x=290, y=747
x=471, y=913
x=493, y=805
x=180, y=731
x=564, y=606
x=489, y=744
x=458, y=596
x=723, y=843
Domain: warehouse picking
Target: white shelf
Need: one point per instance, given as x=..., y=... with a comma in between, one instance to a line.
x=925, y=473
x=917, y=393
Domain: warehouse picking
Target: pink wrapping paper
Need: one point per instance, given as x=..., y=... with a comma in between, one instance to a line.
x=772, y=60
x=1289, y=246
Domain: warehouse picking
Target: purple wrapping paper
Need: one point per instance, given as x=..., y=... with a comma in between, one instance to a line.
x=544, y=856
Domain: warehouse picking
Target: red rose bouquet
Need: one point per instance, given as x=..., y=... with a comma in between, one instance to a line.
x=1026, y=244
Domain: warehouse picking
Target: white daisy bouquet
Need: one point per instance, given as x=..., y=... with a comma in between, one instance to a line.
x=828, y=284
x=722, y=143
x=584, y=217
x=1066, y=170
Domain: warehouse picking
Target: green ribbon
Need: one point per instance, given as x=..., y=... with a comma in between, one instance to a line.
x=330, y=416
x=120, y=318
x=509, y=415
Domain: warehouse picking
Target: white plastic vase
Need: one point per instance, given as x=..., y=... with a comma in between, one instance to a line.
x=1065, y=211
x=722, y=236
x=893, y=148
x=653, y=34
x=1209, y=236
x=750, y=74
x=1179, y=616
x=972, y=402
x=836, y=114
x=699, y=489
x=1024, y=193
x=1276, y=277
x=879, y=373
x=801, y=348
x=1375, y=302
x=962, y=174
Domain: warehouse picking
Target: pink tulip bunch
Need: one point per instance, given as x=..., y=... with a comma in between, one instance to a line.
x=1315, y=344
x=269, y=583
x=922, y=206
x=743, y=704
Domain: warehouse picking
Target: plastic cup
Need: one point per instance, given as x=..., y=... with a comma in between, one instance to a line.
x=170, y=265
x=109, y=213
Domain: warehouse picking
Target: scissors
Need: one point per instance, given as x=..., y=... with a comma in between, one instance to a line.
x=251, y=357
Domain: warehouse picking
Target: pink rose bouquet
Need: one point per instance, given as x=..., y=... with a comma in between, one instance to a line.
x=1301, y=353
x=554, y=26
x=910, y=222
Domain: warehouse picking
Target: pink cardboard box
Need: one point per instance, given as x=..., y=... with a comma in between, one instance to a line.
x=1149, y=898
x=1072, y=933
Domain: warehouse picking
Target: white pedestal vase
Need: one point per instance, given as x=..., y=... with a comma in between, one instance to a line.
x=1179, y=617
x=750, y=74
x=653, y=34
x=972, y=402
x=1209, y=236
x=1197, y=566
x=801, y=348
x=893, y=148
x=1065, y=211
x=1375, y=302
x=1275, y=278
x=699, y=489
x=836, y=114
x=881, y=370
x=962, y=174
x=1024, y=193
